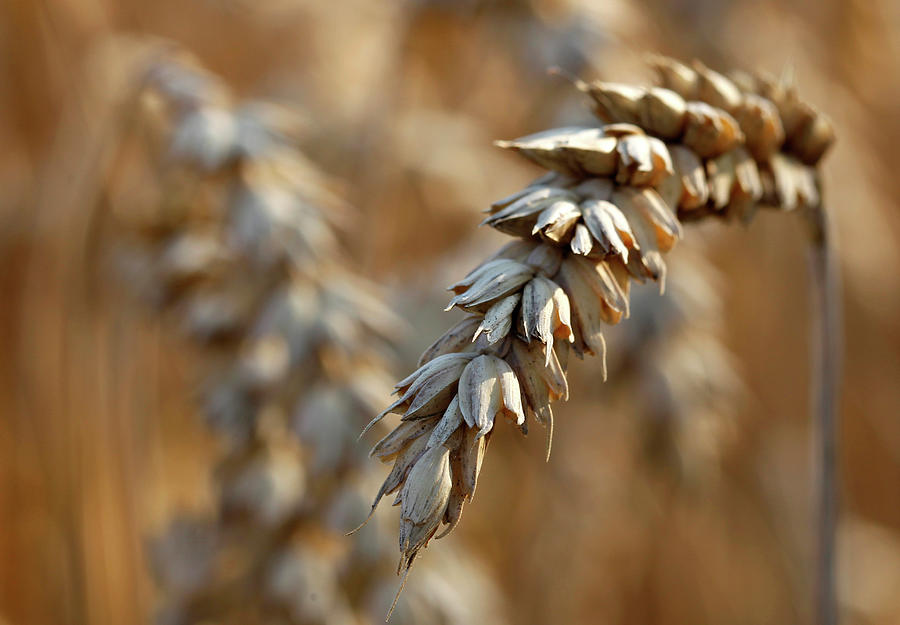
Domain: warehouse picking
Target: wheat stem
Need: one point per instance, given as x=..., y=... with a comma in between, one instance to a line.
x=826, y=346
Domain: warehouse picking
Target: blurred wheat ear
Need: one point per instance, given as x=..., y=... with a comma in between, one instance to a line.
x=611, y=205
x=223, y=227
x=671, y=368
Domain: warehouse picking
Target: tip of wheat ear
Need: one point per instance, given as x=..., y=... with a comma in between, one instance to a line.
x=397, y=596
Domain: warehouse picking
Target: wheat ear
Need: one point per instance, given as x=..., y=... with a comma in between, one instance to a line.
x=611, y=205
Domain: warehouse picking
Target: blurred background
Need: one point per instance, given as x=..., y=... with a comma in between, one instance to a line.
x=678, y=492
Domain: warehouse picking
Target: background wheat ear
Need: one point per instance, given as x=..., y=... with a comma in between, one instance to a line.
x=224, y=228
x=701, y=144
x=674, y=374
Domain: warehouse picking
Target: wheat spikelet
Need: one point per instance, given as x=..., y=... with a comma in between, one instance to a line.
x=608, y=209
x=232, y=232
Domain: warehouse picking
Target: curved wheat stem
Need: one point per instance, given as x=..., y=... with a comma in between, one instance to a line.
x=826, y=355
x=227, y=227
x=611, y=205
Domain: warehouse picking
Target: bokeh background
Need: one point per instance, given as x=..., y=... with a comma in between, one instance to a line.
x=640, y=516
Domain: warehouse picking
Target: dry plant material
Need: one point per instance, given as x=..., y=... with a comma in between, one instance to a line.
x=674, y=373
x=227, y=228
x=609, y=208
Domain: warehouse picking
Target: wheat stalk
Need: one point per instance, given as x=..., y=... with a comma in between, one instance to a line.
x=232, y=232
x=611, y=205
x=826, y=350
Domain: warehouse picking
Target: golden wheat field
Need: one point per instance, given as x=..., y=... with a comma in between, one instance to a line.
x=670, y=360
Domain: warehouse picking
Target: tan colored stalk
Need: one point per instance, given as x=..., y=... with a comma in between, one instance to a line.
x=826, y=351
